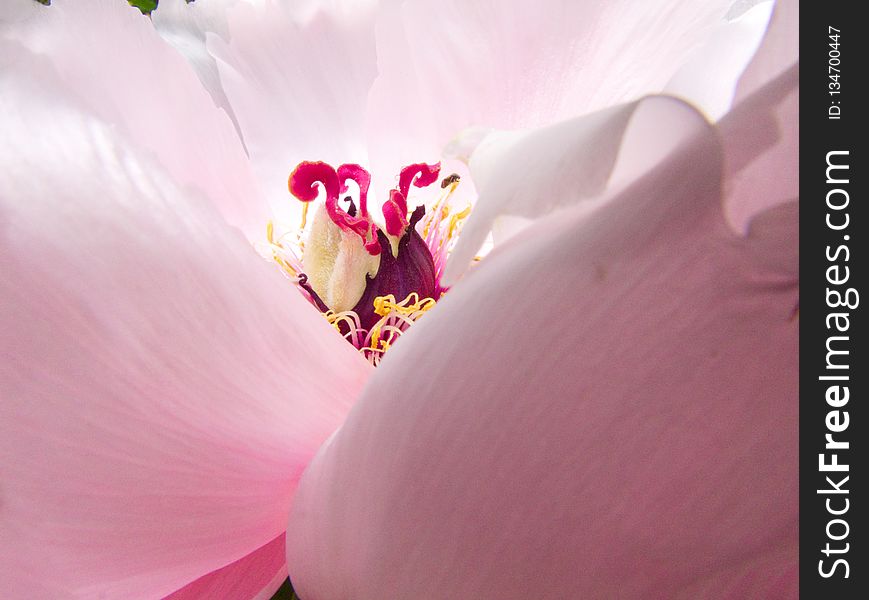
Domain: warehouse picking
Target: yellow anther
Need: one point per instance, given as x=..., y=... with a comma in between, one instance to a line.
x=304, y=215
x=384, y=305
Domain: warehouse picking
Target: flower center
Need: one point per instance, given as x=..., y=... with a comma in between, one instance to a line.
x=370, y=282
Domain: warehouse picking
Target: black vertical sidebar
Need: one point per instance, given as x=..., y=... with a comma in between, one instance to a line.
x=833, y=366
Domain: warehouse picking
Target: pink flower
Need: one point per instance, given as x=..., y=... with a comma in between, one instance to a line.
x=604, y=406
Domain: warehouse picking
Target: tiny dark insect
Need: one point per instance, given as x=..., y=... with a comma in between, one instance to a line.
x=449, y=180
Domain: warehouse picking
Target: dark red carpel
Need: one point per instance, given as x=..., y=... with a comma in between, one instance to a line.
x=412, y=270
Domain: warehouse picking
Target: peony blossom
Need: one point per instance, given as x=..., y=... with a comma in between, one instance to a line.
x=604, y=405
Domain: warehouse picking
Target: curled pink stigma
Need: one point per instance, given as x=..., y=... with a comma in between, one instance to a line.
x=362, y=179
x=395, y=209
x=305, y=177
x=302, y=185
x=420, y=175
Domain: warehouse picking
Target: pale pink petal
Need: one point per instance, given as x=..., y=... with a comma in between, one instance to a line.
x=604, y=408
x=762, y=137
x=778, y=51
x=184, y=25
x=527, y=174
x=162, y=385
x=763, y=157
x=14, y=13
x=510, y=167
x=297, y=78
x=256, y=576
x=709, y=77
x=447, y=65
x=111, y=58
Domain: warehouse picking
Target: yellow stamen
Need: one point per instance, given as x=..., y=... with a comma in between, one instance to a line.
x=336, y=319
x=411, y=308
x=456, y=219
x=275, y=245
x=440, y=209
x=375, y=337
x=384, y=305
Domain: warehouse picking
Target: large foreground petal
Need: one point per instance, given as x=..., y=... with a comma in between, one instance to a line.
x=161, y=386
x=606, y=409
x=257, y=576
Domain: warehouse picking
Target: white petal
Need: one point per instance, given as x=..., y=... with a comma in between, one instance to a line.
x=184, y=26
x=297, y=79
x=448, y=65
x=708, y=80
x=763, y=158
x=14, y=13
x=778, y=51
x=525, y=174
x=763, y=152
x=110, y=57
